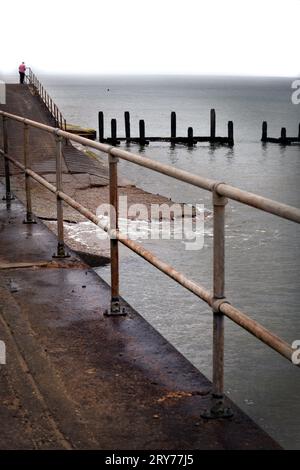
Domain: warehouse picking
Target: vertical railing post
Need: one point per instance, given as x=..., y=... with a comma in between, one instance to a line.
x=115, y=308
x=29, y=216
x=217, y=409
x=219, y=203
x=65, y=129
x=8, y=194
x=61, y=253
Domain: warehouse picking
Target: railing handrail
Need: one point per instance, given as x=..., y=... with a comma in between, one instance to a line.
x=220, y=190
x=244, y=197
x=56, y=114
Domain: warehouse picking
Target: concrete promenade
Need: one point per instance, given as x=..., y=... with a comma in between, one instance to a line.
x=75, y=379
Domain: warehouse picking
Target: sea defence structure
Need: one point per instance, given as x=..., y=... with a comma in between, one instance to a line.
x=282, y=140
x=190, y=139
x=52, y=110
x=89, y=372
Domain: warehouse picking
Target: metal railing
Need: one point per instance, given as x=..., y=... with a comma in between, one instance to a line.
x=59, y=120
x=220, y=192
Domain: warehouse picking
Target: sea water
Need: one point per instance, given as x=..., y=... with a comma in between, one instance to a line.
x=262, y=251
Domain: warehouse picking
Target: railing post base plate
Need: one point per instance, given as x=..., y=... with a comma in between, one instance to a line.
x=115, y=309
x=8, y=197
x=29, y=219
x=217, y=410
x=61, y=253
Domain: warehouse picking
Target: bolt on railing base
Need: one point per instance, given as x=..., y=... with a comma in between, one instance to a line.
x=8, y=197
x=61, y=253
x=29, y=219
x=217, y=410
x=115, y=309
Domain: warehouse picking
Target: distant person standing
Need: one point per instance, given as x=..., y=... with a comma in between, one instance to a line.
x=22, y=69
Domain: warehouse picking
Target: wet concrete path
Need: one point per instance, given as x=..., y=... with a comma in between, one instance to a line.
x=77, y=379
x=22, y=101
x=85, y=174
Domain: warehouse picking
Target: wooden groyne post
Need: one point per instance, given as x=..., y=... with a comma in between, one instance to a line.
x=173, y=127
x=212, y=124
x=114, y=132
x=127, y=126
x=264, y=135
x=143, y=140
x=101, y=126
x=283, y=136
x=190, y=134
x=230, y=133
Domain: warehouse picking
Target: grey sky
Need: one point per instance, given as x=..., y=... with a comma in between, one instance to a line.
x=235, y=37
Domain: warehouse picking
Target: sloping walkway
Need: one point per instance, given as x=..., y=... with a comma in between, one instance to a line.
x=21, y=101
x=79, y=380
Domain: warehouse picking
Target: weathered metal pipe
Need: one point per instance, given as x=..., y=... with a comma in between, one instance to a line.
x=8, y=195
x=61, y=253
x=217, y=408
x=29, y=219
x=219, y=203
x=221, y=305
x=259, y=202
x=114, y=247
x=257, y=330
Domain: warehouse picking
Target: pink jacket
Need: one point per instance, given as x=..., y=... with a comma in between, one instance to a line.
x=22, y=68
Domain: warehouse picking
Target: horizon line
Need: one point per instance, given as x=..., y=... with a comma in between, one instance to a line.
x=144, y=74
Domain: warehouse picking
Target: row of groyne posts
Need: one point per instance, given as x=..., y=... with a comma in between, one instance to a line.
x=190, y=139
x=283, y=139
